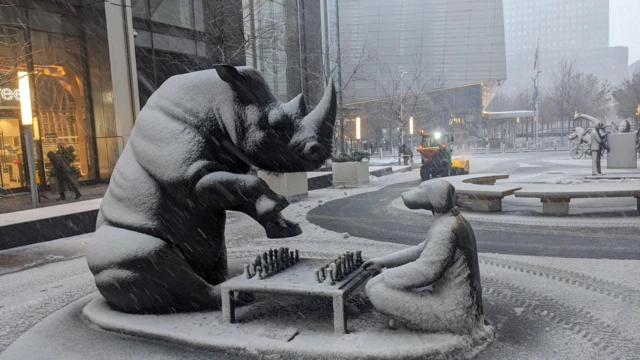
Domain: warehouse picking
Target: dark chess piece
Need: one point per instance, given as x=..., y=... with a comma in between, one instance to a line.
x=297, y=255
x=270, y=255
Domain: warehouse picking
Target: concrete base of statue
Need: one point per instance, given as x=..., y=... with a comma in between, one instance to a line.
x=293, y=186
x=622, y=154
x=350, y=173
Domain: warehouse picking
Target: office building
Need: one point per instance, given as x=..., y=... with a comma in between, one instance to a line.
x=575, y=30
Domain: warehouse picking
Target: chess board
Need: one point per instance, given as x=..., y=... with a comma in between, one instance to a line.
x=303, y=277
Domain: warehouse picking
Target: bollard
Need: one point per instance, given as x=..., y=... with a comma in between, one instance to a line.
x=502, y=146
x=380, y=153
x=555, y=145
x=487, y=148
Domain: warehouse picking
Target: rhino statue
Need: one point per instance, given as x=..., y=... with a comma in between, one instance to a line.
x=159, y=244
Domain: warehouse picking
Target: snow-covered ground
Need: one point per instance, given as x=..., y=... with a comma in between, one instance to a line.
x=541, y=307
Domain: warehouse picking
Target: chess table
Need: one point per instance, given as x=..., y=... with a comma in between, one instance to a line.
x=298, y=279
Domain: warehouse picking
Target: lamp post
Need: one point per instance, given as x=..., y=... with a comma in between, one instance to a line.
x=358, y=133
x=411, y=131
x=27, y=124
x=402, y=127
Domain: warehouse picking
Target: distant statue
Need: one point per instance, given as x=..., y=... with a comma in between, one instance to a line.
x=433, y=286
x=624, y=126
x=598, y=145
x=580, y=134
x=159, y=244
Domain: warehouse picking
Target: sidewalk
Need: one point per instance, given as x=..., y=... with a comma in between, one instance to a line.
x=22, y=201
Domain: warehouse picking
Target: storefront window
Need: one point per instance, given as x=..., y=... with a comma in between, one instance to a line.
x=59, y=97
x=12, y=60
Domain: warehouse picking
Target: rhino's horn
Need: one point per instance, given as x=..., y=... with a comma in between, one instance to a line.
x=321, y=120
x=297, y=107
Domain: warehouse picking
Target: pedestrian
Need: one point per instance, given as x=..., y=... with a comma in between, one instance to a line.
x=64, y=176
x=598, y=145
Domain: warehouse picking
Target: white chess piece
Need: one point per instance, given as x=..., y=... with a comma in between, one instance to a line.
x=246, y=273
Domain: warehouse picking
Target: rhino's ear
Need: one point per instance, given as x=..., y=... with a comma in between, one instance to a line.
x=228, y=74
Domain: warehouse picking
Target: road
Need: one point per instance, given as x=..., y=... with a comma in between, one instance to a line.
x=372, y=215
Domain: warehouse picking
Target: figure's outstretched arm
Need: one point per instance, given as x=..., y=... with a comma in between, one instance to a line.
x=436, y=258
x=395, y=259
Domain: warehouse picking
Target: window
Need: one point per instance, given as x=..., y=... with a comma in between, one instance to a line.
x=175, y=12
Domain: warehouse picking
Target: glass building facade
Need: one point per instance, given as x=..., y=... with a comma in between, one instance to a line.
x=43, y=60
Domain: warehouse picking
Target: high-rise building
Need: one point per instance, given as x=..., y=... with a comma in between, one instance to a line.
x=286, y=46
x=445, y=52
x=459, y=42
x=574, y=30
x=634, y=68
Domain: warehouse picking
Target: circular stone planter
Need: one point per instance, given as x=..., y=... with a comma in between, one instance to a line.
x=273, y=326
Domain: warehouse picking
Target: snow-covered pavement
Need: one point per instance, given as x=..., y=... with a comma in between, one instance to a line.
x=542, y=307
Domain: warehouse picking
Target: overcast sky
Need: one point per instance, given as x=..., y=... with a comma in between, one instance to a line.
x=624, y=26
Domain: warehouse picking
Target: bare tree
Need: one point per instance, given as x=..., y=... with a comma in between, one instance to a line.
x=576, y=91
x=627, y=97
x=404, y=94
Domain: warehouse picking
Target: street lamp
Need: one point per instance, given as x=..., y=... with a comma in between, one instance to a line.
x=402, y=131
x=27, y=124
x=411, y=130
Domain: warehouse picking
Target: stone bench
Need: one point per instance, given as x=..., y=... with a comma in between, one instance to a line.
x=480, y=188
x=555, y=199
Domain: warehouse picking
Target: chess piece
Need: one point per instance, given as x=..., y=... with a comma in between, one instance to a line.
x=348, y=257
x=270, y=255
x=263, y=274
x=265, y=258
x=297, y=255
x=286, y=251
x=253, y=267
x=259, y=272
x=265, y=266
x=322, y=271
x=359, y=257
x=317, y=273
x=354, y=264
x=275, y=255
x=292, y=258
x=246, y=273
x=272, y=267
x=329, y=278
x=344, y=265
x=258, y=260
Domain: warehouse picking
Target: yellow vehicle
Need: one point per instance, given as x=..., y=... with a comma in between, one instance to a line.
x=435, y=149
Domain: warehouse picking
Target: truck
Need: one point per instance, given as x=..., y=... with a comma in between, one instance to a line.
x=435, y=150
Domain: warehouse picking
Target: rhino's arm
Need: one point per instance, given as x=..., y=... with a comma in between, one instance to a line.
x=225, y=190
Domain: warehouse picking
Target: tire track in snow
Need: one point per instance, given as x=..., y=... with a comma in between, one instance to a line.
x=595, y=284
x=602, y=335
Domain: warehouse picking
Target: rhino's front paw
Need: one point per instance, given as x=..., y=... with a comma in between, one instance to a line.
x=281, y=228
x=268, y=206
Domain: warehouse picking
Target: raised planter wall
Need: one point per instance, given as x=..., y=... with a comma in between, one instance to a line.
x=350, y=173
x=293, y=186
x=623, y=151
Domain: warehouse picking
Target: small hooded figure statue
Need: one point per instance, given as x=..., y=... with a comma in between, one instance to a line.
x=446, y=261
x=64, y=175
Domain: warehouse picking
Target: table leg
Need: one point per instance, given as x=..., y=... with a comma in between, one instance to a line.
x=228, y=308
x=339, y=318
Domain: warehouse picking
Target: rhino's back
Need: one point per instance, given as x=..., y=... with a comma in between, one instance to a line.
x=133, y=198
